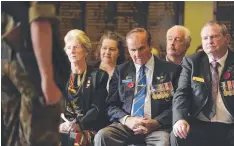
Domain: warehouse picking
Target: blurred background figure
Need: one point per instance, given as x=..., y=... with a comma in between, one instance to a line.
x=178, y=41
x=111, y=52
x=86, y=87
x=31, y=74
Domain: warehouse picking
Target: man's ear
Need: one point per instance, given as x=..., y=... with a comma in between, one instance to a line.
x=228, y=38
x=187, y=46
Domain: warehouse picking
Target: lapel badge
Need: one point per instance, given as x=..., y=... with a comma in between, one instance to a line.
x=129, y=77
x=160, y=79
x=88, y=82
x=198, y=79
x=126, y=81
x=227, y=75
x=130, y=85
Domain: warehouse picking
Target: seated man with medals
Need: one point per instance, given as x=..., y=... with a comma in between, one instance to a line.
x=86, y=88
x=140, y=97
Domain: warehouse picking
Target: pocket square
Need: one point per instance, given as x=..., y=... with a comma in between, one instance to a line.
x=198, y=79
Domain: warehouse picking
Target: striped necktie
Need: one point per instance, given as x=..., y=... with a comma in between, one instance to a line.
x=138, y=105
x=211, y=108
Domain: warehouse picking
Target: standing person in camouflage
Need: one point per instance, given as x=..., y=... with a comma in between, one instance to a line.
x=30, y=93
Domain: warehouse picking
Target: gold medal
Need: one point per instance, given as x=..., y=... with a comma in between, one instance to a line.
x=160, y=95
x=73, y=91
x=155, y=96
x=225, y=92
x=167, y=94
x=232, y=92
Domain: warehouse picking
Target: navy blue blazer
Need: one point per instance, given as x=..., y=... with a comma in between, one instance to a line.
x=121, y=94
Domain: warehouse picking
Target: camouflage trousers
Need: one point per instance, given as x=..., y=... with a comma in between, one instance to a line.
x=26, y=121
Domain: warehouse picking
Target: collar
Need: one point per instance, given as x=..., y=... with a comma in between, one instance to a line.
x=221, y=61
x=167, y=58
x=149, y=64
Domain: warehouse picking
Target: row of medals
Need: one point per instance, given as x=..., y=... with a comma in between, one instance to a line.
x=228, y=88
x=162, y=91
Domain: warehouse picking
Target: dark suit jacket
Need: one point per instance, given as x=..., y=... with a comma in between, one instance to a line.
x=192, y=95
x=121, y=96
x=93, y=97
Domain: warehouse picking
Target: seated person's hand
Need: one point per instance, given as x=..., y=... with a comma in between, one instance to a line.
x=64, y=127
x=134, y=122
x=75, y=128
x=140, y=130
x=181, y=129
x=150, y=125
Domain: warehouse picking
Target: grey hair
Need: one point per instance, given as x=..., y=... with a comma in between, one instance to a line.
x=187, y=33
x=76, y=34
x=223, y=27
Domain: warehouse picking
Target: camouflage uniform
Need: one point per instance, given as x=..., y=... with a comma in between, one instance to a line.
x=26, y=119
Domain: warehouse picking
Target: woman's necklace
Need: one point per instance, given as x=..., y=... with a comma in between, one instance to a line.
x=75, y=89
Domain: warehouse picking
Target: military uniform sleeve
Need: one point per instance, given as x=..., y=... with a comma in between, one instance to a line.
x=42, y=11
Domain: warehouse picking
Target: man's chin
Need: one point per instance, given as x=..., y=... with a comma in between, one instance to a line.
x=173, y=54
x=140, y=62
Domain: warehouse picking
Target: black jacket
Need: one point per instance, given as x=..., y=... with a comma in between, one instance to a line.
x=93, y=95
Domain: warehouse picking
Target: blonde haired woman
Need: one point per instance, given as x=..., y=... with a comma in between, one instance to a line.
x=86, y=87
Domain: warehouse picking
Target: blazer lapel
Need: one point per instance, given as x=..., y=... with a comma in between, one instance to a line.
x=129, y=92
x=229, y=62
x=205, y=71
x=87, y=88
x=157, y=72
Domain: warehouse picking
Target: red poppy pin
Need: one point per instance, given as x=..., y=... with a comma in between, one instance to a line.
x=227, y=75
x=130, y=85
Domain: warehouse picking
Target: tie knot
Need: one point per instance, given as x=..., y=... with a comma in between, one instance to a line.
x=214, y=64
x=142, y=68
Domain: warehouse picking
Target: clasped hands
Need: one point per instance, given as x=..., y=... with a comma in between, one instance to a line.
x=141, y=125
x=68, y=126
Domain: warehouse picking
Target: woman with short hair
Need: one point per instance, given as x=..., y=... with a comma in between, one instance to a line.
x=86, y=87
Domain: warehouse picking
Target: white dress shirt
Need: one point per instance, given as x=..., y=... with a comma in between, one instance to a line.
x=222, y=115
x=149, y=76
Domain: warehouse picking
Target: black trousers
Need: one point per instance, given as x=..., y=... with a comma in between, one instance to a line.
x=206, y=134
